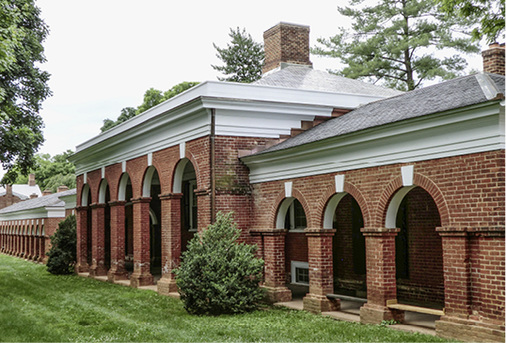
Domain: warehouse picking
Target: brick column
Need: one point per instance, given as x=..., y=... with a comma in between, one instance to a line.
x=97, y=267
x=381, y=281
x=117, y=271
x=141, y=275
x=321, y=272
x=29, y=249
x=274, y=267
x=42, y=243
x=171, y=241
x=82, y=239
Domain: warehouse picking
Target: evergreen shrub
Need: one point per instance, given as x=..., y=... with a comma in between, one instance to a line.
x=62, y=255
x=218, y=275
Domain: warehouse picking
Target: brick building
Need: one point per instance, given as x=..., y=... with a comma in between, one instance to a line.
x=26, y=226
x=11, y=194
x=347, y=189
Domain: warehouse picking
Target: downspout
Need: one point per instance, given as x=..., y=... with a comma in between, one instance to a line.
x=212, y=161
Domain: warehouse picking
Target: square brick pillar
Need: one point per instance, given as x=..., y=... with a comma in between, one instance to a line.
x=381, y=280
x=321, y=272
x=142, y=274
x=97, y=267
x=82, y=239
x=171, y=241
x=117, y=270
x=274, y=267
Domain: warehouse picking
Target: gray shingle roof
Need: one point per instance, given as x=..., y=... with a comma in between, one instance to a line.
x=456, y=93
x=51, y=200
x=304, y=77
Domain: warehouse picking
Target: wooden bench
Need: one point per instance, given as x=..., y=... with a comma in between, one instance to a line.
x=394, y=305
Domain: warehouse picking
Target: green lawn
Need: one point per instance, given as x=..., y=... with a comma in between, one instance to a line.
x=38, y=306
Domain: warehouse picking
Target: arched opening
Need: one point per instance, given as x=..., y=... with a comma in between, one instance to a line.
x=151, y=188
x=185, y=180
x=125, y=194
x=85, y=201
x=418, y=249
x=348, y=247
x=292, y=217
x=104, y=197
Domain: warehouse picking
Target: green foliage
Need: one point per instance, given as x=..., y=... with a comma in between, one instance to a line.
x=488, y=14
x=152, y=97
x=243, y=58
x=62, y=256
x=50, y=172
x=393, y=43
x=23, y=86
x=218, y=275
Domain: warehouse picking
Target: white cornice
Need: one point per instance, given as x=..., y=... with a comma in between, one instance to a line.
x=35, y=213
x=447, y=134
x=186, y=117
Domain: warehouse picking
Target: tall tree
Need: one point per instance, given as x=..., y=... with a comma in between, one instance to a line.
x=23, y=86
x=243, y=58
x=50, y=172
x=152, y=97
x=488, y=14
x=393, y=43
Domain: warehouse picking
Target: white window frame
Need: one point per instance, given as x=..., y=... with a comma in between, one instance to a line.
x=298, y=265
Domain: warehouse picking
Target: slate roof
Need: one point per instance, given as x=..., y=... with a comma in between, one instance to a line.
x=456, y=93
x=51, y=200
x=304, y=77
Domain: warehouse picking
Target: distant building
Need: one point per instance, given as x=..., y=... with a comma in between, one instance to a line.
x=11, y=194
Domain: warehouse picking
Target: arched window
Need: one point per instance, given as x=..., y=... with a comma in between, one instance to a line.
x=295, y=218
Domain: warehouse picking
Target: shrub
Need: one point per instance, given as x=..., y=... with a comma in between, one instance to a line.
x=218, y=275
x=62, y=256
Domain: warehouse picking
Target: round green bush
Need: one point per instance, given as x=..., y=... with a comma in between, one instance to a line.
x=218, y=275
x=62, y=255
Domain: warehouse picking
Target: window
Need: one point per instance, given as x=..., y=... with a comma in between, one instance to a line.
x=300, y=273
x=295, y=216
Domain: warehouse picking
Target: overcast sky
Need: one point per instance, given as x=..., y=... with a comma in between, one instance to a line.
x=104, y=54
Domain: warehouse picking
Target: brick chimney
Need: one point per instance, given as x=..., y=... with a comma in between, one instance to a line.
x=47, y=192
x=31, y=180
x=33, y=196
x=62, y=188
x=493, y=59
x=286, y=43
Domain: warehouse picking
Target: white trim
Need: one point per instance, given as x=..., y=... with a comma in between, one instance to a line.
x=182, y=150
x=283, y=208
x=339, y=181
x=103, y=172
x=393, y=207
x=330, y=209
x=123, y=167
x=150, y=159
x=146, y=184
x=123, y=183
x=177, y=184
x=294, y=265
x=407, y=173
x=41, y=212
x=429, y=137
x=85, y=177
x=288, y=189
x=102, y=191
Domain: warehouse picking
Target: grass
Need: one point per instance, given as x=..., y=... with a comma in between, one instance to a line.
x=38, y=306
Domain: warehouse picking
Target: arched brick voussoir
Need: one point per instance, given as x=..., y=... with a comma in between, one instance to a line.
x=418, y=180
x=136, y=168
x=113, y=175
x=93, y=179
x=350, y=189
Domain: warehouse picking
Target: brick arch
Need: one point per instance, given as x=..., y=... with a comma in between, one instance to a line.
x=421, y=181
x=93, y=179
x=350, y=189
x=176, y=178
x=296, y=194
x=147, y=176
x=102, y=190
x=198, y=175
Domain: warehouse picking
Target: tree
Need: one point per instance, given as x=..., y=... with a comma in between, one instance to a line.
x=218, y=275
x=243, y=58
x=152, y=97
x=62, y=255
x=50, y=172
x=488, y=14
x=23, y=86
x=393, y=43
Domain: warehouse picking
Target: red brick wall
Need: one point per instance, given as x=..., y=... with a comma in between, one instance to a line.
x=296, y=249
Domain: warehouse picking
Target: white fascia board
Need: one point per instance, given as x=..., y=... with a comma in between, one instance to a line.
x=70, y=201
x=35, y=213
x=231, y=90
x=430, y=137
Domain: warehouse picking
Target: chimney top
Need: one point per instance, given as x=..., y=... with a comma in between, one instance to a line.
x=493, y=59
x=62, y=188
x=31, y=180
x=33, y=196
x=47, y=192
x=286, y=43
